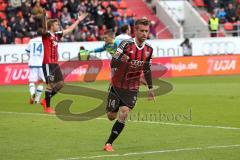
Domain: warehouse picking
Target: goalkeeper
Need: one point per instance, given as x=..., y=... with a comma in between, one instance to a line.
x=110, y=46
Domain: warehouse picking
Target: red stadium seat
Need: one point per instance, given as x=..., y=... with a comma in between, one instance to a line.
x=25, y=40
x=59, y=5
x=228, y=26
x=129, y=12
x=49, y=14
x=19, y=14
x=199, y=3
x=43, y=2
x=2, y=15
x=121, y=12
x=115, y=4
x=123, y=5
x=3, y=6
x=105, y=4
x=18, y=41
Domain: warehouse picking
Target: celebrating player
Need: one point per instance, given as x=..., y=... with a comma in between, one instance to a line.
x=35, y=50
x=132, y=58
x=51, y=69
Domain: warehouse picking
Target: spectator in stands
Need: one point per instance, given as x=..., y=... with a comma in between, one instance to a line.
x=109, y=19
x=37, y=10
x=231, y=13
x=32, y=26
x=103, y=18
x=102, y=30
x=214, y=6
x=236, y=29
x=18, y=29
x=114, y=9
x=213, y=25
x=11, y=11
x=24, y=25
x=3, y=39
x=2, y=29
x=226, y=2
x=9, y=35
x=65, y=17
x=82, y=7
x=54, y=10
x=221, y=14
x=153, y=26
x=99, y=15
x=72, y=7
x=26, y=9
x=92, y=37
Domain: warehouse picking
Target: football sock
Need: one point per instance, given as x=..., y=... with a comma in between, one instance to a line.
x=32, y=89
x=53, y=93
x=48, y=95
x=38, y=93
x=116, y=130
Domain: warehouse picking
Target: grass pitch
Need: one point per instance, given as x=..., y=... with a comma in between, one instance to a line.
x=197, y=120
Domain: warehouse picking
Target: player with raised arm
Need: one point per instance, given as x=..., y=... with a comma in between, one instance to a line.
x=51, y=69
x=132, y=58
x=35, y=51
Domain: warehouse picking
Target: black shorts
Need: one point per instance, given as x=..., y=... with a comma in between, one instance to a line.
x=52, y=73
x=118, y=97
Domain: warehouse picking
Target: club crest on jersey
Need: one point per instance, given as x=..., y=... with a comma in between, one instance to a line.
x=55, y=43
x=147, y=54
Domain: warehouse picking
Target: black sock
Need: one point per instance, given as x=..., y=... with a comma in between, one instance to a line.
x=116, y=130
x=48, y=95
x=53, y=93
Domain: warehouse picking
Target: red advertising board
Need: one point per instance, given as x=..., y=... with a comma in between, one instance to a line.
x=100, y=70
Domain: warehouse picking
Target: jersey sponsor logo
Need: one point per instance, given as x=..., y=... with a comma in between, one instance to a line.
x=136, y=63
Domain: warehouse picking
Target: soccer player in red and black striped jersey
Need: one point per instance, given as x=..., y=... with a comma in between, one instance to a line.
x=131, y=60
x=51, y=69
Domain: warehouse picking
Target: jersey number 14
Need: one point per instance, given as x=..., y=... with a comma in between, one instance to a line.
x=37, y=49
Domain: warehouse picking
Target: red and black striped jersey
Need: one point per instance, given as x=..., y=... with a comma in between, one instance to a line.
x=50, y=43
x=127, y=74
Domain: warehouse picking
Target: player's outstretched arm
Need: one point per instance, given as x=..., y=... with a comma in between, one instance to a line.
x=44, y=22
x=75, y=24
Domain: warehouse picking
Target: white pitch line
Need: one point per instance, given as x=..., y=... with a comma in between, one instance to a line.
x=153, y=152
x=148, y=122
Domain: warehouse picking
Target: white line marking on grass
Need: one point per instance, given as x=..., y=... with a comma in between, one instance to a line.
x=153, y=152
x=147, y=122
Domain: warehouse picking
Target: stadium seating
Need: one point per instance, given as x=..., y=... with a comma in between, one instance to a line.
x=140, y=9
x=198, y=3
x=228, y=26
x=18, y=41
x=130, y=8
x=25, y=40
